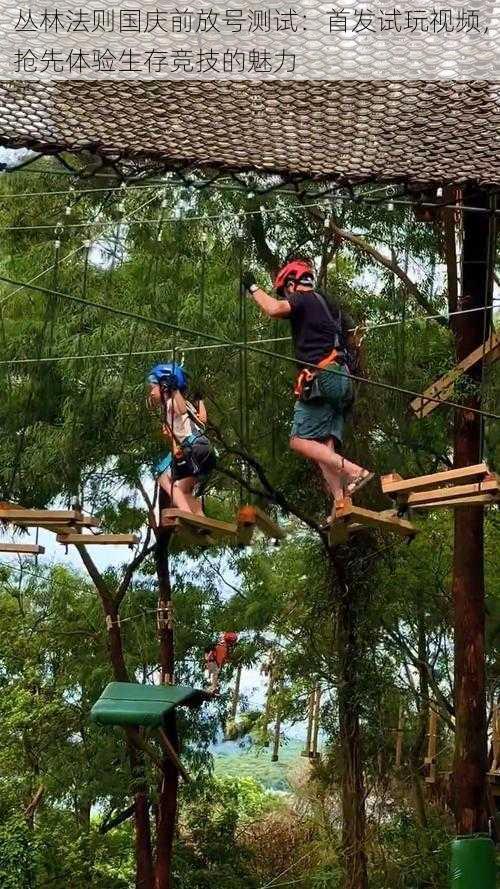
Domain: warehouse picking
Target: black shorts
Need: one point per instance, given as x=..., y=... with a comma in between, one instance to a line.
x=196, y=461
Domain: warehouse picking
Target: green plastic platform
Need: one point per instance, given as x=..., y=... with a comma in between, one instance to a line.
x=129, y=703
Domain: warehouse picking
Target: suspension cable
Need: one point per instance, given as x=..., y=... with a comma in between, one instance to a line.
x=167, y=325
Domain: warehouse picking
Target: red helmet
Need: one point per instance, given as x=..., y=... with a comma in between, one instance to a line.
x=294, y=269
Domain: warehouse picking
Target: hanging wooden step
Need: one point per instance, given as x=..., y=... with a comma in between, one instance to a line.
x=202, y=526
x=443, y=489
x=489, y=486
x=98, y=539
x=349, y=514
x=251, y=517
x=52, y=519
x=394, y=484
x=26, y=549
x=442, y=388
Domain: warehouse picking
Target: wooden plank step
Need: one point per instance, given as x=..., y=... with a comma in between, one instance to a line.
x=214, y=526
x=187, y=536
x=32, y=549
x=443, y=387
x=488, y=486
x=394, y=484
x=472, y=500
x=46, y=517
x=250, y=517
x=383, y=519
x=98, y=539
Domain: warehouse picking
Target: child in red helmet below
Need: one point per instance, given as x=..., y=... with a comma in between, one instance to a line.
x=322, y=340
x=192, y=457
x=217, y=655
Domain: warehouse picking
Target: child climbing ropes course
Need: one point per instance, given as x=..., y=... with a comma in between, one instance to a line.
x=325, y=348
x=192, y=457
x=215, y=656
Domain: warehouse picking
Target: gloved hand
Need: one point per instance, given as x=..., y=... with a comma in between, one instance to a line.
x=248, y=278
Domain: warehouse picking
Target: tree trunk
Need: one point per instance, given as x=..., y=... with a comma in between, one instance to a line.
x=470, y=760
x=353, y=786
x=169, y=784
x=417, y=749
x=236, y=693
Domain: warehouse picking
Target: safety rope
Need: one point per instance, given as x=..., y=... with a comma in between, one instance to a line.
x=167, y=325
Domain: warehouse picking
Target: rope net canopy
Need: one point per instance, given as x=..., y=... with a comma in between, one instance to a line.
x=415, y=132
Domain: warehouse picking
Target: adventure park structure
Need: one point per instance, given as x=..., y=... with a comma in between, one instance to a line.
x=446, y=173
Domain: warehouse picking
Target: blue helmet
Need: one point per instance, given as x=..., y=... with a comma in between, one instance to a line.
x=163, y=371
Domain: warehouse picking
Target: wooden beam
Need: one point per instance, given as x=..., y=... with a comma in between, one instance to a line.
x=472, y=500
x=430, y=759
x=490, y=350
x=172, y=755
x=266, y=524
x=495, y=765
x=313, y=751
x=488, y=486
x=32, y=549
x=46, y=517
x=213, y=526
x=391, y=485
x=250, y=517
x=98, y=539
x=310, y=719
x=186, y=536
x=399, y=737
x=383, y=520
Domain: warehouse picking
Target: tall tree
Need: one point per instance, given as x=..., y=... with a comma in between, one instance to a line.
x=470, y=330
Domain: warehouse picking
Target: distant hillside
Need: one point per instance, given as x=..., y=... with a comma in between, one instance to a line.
x=253, y=762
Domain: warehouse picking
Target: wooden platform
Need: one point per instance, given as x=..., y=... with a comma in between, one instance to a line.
x=469, y=486
x=202, y=530
x=442, y=388
x=349, y=517
x=26, y=549
x=98, y=539
x=51, y=519
x=251, y=517
x=395, y=484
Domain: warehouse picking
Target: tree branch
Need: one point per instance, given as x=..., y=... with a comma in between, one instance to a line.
x=110, y=823
x=255, y=228
x=388, y=262
x=401, y=643
x=96, y=577
x=144, y=552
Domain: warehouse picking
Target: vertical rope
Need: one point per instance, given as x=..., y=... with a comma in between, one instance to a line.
x=488, y=290
x=243, y=372
x=203, y=273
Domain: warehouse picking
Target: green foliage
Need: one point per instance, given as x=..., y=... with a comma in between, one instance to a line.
x=79, y=427
x=210, y=850
x=16, y=854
